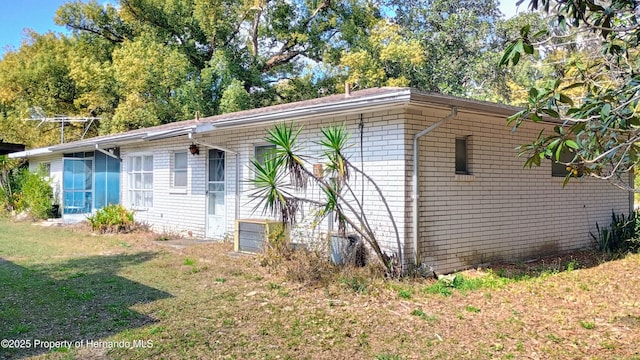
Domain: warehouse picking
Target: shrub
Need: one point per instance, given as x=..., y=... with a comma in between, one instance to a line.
x=277, y=248
x=112, y=218
x=35, y=195
x=9, y=185
x=622, y=235
x=308, y=267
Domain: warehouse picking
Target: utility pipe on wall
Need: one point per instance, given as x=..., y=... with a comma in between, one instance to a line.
x=415, y=188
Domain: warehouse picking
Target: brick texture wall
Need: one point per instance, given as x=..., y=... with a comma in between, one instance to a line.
x=502, y=212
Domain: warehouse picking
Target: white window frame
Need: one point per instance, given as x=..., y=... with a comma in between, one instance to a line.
x=46, y=165
x=175, y=170
x=255, y=152
x=131, y=173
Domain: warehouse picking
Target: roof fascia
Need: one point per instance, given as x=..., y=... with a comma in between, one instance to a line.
x=29, y=153
x=369, y=103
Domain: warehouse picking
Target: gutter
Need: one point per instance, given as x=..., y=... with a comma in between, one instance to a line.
x=415, y=178
x=370, y=103
x=28, y=153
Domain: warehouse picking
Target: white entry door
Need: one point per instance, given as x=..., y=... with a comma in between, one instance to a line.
x=216, y=191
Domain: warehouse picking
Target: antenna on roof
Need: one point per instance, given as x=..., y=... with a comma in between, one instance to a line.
x=37, y=114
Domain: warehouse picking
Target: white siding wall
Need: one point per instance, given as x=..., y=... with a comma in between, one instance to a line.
x=183, y=212
x=505, y=212
x=56, y=173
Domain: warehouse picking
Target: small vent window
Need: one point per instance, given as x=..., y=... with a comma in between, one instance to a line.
x=462, y=160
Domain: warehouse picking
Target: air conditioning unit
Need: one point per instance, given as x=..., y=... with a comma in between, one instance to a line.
x=252, y=234
x=349, y=249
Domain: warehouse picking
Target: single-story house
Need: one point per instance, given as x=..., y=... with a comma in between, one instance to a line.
x=447, y=165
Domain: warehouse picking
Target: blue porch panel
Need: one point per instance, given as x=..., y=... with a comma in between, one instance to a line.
x=107, y=180
x=91, y=180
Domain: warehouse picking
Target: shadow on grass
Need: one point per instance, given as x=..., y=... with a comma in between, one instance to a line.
x=79, y=299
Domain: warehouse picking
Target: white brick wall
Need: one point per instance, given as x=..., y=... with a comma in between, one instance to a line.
x=175, y=210
x=184, y=212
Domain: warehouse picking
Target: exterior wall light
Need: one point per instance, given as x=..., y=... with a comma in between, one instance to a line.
x=194, y=149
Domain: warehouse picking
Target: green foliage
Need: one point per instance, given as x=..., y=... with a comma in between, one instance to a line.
x=385, y=356
x=427, y=317
x=9, y=185
x=473, y=309
x=37, y=76
x=405, y=293
x=384, y=58
x=446, y=284
x=35, y=195
x=594, y=99
x=589, y=325
x=189, y=262
x=357, y=284
x=622, y=235
x=277, y=248
x=112, y=219
x=235, y=98
x=439, y=288
x=457, y=41
x=138, y=63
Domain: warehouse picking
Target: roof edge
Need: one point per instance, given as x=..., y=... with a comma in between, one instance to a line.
x=399, y=96
x=344, y=104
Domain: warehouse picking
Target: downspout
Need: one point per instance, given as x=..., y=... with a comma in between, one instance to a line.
x=632, y=207
x=237, y=202
x=415, y=177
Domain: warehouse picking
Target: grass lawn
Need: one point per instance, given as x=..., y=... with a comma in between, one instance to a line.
x=143, y=299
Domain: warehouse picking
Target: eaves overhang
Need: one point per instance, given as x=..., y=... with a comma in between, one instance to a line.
x=370, y=100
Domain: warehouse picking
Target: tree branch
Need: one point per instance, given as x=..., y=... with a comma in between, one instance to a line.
x=286, y=54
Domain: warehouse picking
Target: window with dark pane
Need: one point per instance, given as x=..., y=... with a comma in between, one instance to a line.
x=558, y=169
x=462, y=161
x=264, y=152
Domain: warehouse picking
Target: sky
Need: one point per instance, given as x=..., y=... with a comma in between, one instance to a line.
x=17, y=15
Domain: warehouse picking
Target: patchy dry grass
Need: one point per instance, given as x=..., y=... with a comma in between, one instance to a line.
x=204, y=302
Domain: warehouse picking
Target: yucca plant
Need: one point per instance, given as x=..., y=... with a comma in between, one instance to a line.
x=281, y=179
x=620, y=236
x=602, y=239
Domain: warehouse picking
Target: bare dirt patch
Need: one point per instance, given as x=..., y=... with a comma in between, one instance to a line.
x=552, y=263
